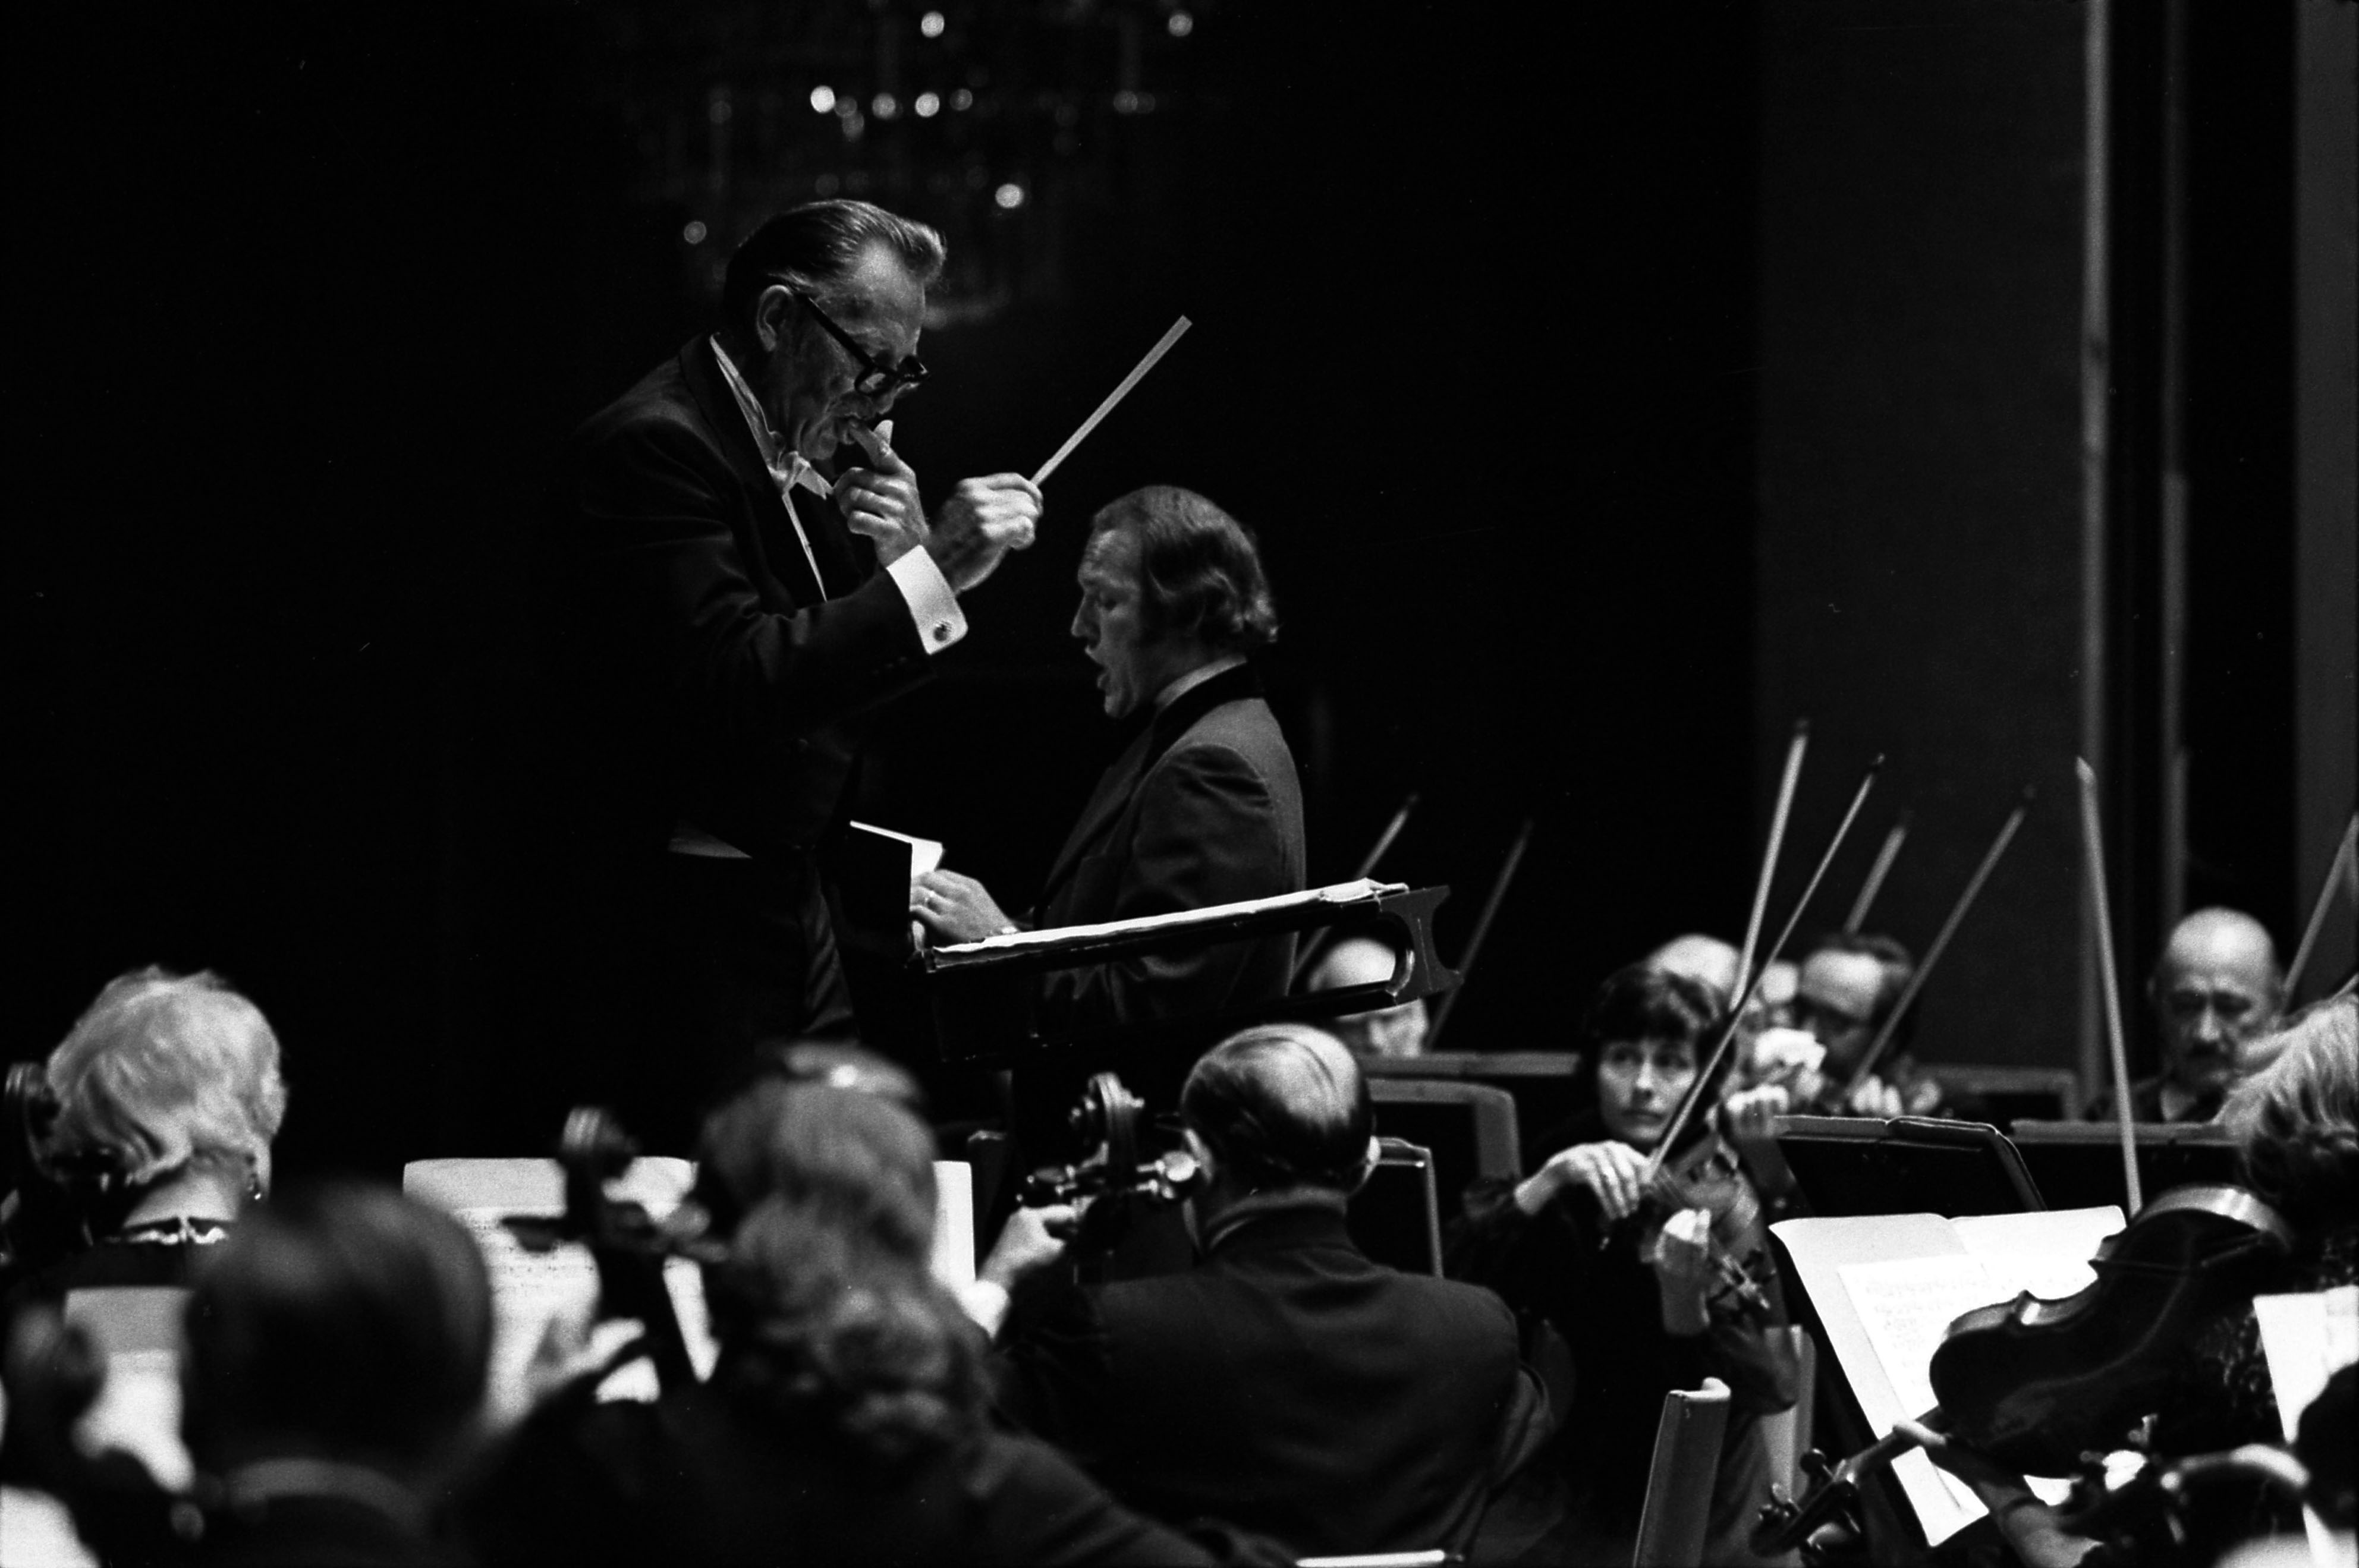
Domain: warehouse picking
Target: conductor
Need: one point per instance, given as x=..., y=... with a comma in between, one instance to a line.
x=725, y=604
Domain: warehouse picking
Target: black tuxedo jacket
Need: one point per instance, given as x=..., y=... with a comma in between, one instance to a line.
x=1285, y=1384
x=1204, y=807
x=694, y=668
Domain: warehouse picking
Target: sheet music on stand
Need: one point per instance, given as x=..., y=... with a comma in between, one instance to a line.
x=1884, y=1289
x=2307, y=1338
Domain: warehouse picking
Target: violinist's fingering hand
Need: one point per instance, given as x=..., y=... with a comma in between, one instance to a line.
x=1682, y=1260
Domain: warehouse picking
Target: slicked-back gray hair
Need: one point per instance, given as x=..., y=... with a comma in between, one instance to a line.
x=816, y=247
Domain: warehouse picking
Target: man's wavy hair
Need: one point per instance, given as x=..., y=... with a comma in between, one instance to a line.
x=1639, y=1002
x=816, y=247
x=1200, y=569
x=2298, y=1118
x=164, y=1070
x=827, y=1309
x=1276, y=1112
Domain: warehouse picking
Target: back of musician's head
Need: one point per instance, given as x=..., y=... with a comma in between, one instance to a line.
x=816, y=246
x=341, y=1321
x=162, y=1070
x=862, y=1159
x=826, y=1307
x=1200, y=572
x=2298, y=1118
x=1281, y=1105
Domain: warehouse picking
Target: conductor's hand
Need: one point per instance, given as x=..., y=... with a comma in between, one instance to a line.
x=881, y=498
x=983, y=520
x=1611, y=1169
x=956, y=908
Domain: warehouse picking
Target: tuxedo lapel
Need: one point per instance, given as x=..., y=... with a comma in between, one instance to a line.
x=719, y=406
x=1115, y=786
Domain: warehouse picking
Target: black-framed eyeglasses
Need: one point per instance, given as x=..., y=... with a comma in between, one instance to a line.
x=875, y=380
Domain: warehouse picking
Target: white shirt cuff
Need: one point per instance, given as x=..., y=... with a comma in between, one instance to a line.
x=932, y=605
x=985, y=1302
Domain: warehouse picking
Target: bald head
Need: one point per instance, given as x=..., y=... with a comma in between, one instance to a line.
x=2216, y=990
x=1397, y=1030
x=1280, y=1106
x=1707, y=960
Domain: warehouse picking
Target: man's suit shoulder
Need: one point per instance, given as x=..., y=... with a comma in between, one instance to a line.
x=1244, y=727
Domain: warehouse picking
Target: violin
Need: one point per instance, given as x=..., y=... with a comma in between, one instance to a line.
x=2042, y=1385
x=1710, y=1175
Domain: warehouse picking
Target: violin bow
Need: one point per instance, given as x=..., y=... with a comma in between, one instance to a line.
x=1888, y=852
x=1786, y=783
x=1877, y=1047
x=1686, y=1113
x=1310, y=946
x=2336, y=871
x=2093, y=855
x=1482, y=929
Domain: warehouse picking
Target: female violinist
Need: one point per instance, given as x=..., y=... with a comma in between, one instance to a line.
x=2297, y=1123
x=1653, y=1286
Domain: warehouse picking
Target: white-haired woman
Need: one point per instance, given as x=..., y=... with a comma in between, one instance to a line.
x=168, y=1094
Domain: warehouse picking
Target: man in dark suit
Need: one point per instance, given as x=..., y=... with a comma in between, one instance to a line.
x=1203, y=808
x=720, y=614
x=1285, y=1383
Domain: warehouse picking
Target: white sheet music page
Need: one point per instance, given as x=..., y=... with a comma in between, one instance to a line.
x=925, y=854
x=1888, y=1287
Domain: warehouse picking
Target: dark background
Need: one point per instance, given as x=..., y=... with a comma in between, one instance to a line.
x=1566, y=373
x=307, y=297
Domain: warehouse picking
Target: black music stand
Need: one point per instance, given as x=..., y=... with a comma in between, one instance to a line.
x=1854, y=1166
x=2078, y=1164
x=982, y=993
x=1397, y=1217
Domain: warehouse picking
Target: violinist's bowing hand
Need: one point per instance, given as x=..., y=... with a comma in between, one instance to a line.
x=1611, y=1169
x=1032, y=1238
x=956, y=908
x=880, y=500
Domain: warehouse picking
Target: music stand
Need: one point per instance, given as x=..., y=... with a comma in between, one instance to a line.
x=1854, y=1166
x=1397, y=1217
x=2078, y=1164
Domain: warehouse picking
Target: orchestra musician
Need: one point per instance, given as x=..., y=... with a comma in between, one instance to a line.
x=1627, y=1279
x=332, y=1378
x=737, y=569
x=846, y=1417
x=2216, y=993
x=2297, y=1126
x=1203, y=807
x=1285, y=1383
x=1395, y=1031
x=168, y=1094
